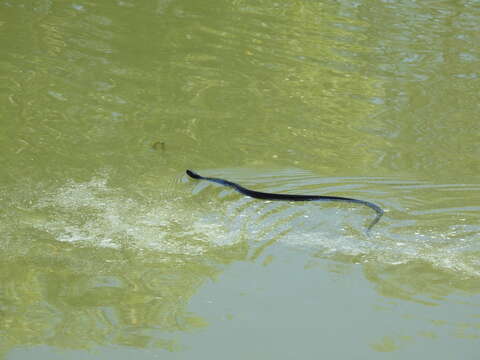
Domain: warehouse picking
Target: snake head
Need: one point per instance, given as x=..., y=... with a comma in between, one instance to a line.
x=193, y=175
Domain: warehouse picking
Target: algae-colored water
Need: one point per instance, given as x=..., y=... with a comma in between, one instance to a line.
x=109, y=251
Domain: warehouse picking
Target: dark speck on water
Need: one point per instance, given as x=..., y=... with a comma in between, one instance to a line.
x=159, y=145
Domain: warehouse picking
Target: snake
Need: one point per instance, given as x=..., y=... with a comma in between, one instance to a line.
x=291, y=197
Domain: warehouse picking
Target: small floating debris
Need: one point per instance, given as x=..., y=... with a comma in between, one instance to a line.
x=158, y=146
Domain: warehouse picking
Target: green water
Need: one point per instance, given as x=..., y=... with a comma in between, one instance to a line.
x=109, y=251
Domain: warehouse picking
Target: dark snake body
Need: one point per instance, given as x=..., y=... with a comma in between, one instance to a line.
x=291, y=197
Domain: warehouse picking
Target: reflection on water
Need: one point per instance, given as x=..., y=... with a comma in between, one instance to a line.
x=93, y=265
x=102, y=240
x=418, y=225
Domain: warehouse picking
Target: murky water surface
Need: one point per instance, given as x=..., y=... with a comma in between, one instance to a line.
x=110, y=251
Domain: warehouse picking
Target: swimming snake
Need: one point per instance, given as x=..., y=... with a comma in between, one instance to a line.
x=291, y=197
